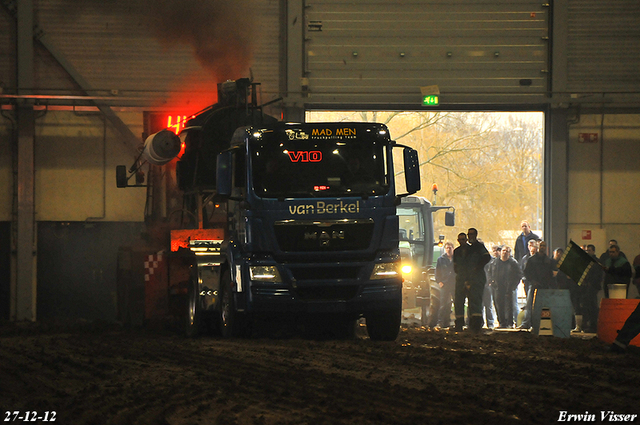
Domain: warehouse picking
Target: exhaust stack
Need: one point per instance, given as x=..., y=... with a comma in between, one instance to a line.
x=161, y=147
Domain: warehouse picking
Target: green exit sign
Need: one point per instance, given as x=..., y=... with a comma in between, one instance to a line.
x=431, y=100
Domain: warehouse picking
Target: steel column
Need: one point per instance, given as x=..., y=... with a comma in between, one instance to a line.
x=556, y=186
x=23, y=289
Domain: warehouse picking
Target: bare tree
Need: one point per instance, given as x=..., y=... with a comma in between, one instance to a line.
x=487, y=165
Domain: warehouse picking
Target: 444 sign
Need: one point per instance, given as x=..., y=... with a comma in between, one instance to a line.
x=431, y=100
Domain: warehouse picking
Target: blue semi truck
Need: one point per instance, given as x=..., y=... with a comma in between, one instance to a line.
x=284, y=219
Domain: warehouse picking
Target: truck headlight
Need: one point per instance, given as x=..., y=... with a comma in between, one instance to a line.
x=265, y=274
x=385, y=271
x=406, y=269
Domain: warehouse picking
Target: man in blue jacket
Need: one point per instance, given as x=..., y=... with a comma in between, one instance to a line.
x=522, y=242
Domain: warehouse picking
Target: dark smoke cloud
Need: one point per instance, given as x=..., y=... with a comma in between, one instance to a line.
x=221, y=32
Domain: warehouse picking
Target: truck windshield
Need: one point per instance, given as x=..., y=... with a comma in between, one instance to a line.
x=294, y=168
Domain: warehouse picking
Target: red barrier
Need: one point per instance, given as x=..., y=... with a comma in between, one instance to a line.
x=613, y=314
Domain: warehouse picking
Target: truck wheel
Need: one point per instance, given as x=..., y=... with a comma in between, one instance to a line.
x=227, y=307
x=230, y=322
x=194, y=312
x=384, y=326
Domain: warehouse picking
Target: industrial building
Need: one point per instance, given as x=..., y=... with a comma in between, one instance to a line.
x=81, y=82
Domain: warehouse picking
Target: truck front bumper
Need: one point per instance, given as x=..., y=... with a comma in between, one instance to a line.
x=356, y=299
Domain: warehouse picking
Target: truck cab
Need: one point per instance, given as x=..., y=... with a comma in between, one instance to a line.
x=312, y=229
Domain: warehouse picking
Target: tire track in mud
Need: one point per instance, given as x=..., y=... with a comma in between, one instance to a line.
x=319, y=382
x=269, y=378
x=225, y=379
x=131, y=377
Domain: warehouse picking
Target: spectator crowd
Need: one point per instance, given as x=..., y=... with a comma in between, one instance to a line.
x=489, y=282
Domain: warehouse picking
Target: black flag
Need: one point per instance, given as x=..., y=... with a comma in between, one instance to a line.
x=576, y=263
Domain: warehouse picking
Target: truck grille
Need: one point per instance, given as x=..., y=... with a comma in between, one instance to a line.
x=274, y=293
x=325, y=273
x=380, y=289
x=325, y=235
x=327, y=293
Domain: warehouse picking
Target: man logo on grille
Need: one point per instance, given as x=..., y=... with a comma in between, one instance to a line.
x=325, y=239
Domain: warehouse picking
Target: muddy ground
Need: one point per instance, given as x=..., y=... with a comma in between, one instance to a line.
x=95, y=373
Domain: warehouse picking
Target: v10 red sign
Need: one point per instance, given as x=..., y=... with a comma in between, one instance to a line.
x=305, y=156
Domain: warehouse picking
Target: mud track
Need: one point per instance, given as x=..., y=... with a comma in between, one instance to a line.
x=103, y=374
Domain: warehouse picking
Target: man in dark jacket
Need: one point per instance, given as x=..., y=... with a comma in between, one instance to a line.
x=539, y=275
x=617, y=269
x=459, y=256
x=605, y=255
x=470, y=280
x=532, y=247
x=505, y=276
x=446, y=279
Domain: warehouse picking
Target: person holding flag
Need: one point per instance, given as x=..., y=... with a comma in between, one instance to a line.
x=589, y=293
x=579, y=266
x=576, y=263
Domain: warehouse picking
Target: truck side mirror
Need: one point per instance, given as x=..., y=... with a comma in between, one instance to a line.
x=224, y=173
x=121, y=176
x=411, y=170
x=450, y=218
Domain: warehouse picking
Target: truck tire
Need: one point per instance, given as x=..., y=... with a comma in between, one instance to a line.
x=231, y=323
x=384, y=326
x=193, y=320
x=227, y=320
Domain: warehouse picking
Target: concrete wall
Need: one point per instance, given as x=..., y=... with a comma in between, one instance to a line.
x=75, y=160
x=76, y=156
x=604, y=181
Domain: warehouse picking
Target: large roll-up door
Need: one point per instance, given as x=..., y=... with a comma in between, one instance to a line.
x=381, y=52
x=603, y=45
